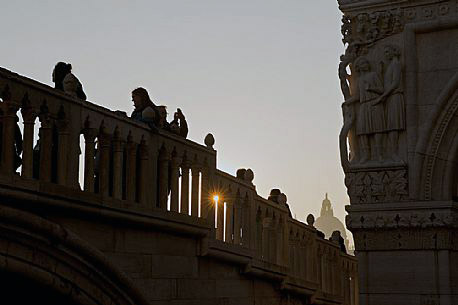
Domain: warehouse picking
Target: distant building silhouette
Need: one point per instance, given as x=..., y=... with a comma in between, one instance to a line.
x=328, y=223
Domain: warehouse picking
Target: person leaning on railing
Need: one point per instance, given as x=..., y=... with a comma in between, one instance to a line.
x=66, y=81
x=144, y=109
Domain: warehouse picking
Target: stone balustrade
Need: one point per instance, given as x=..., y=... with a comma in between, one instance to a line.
x=127, y=167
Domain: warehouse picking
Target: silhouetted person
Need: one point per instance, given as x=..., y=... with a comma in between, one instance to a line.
x=179, y=125
x=144, y=109
x=66, y=81
x=162, y=118
x=337, y=238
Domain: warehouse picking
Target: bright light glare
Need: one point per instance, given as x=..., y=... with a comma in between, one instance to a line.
x=216, y=198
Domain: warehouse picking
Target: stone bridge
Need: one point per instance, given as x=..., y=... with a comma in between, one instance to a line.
x=143, y=226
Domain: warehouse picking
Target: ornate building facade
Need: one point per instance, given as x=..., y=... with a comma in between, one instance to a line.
x=399, y=147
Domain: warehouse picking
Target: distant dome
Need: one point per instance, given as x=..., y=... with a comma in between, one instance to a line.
x=328, y=223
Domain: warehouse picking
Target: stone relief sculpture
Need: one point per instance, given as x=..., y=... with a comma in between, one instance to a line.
x=370, y=121
x=374, y=107
x=393, y=98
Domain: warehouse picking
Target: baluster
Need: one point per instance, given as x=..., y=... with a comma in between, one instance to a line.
x=117, y=165
x=104, y=147
x=185, y=186
x=258, y=233
x=163, y=178
x=248, y=226
x=131, y=157
x=174, y=172
x=9, y=132
x=208, y=205
x=319, y=260
x=280, y=244
x=220, y=218
x=308, y=260
x=237, y=218
x=45, y=144
x=62, y=150
x=355, y=285
x=28, y=116
x=195, y=190
x=273, y=241
x=89, y=154
x=229, y=221
x=142, y=184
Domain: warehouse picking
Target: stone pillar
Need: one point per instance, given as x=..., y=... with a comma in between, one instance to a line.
x=89, y=155
x=142, y=184
x=229, y=221
x=62, y=150
x=174, y=192
x=117, y=165
x=45, y=146
x=185, y=188
x=237, y=219
x=27, y=155
x=220, y=219
x=195, y=190
x=131, y=171
x=163, y=178
x=208, y=204
x=104, y=147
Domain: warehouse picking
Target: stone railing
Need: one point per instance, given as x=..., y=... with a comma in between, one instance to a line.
x=127, y=167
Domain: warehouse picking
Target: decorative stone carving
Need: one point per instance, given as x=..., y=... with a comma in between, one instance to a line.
x=377, y=186
x=405, y=219
x=209, y=141
x=367, y=28
x=374, y=113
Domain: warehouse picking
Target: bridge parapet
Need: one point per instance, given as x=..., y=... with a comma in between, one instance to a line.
x=93, y=159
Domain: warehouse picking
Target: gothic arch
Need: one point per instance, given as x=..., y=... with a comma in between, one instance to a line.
x=44, y=253
x=437, y=149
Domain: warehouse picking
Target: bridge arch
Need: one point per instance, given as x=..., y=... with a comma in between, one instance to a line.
x=437, y=160
x=44, y=255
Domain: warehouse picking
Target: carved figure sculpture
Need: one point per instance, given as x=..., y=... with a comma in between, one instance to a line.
x=371, y=117
x=392, y=96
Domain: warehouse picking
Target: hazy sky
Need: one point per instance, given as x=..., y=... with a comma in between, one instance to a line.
x=258, y=74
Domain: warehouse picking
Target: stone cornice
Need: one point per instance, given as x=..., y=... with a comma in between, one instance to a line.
x=357, y=5
x=349, y=5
